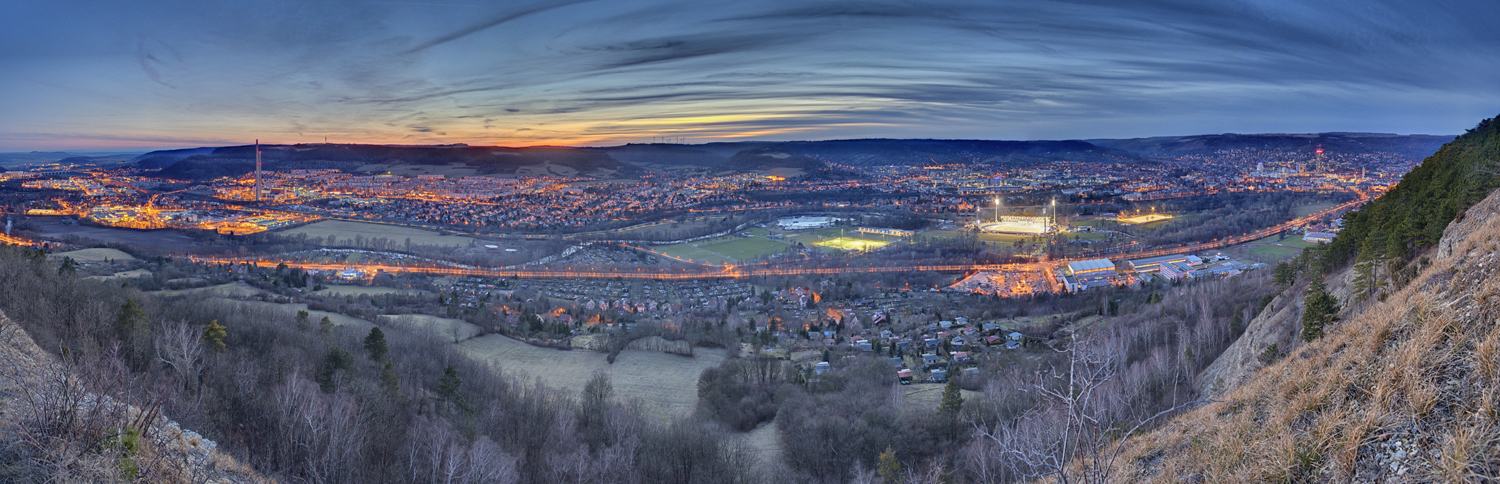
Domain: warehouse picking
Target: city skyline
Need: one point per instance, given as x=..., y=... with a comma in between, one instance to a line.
x=161, y=74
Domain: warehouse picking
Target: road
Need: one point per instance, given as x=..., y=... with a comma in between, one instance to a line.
x=731, y=272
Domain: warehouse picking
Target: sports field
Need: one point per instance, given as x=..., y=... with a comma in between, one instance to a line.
x=693, y=254
x=745, y=248
x=852, y=243
x=345, y=231
x=1273, y=253
x=1305, y=210
x=1145, y=218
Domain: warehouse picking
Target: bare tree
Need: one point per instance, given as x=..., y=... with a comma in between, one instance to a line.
x=1073, y=435
x=181, y=348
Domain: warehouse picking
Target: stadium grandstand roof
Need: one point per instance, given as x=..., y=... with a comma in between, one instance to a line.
x=1090, y=265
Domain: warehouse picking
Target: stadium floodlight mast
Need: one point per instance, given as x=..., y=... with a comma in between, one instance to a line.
x=997, y=209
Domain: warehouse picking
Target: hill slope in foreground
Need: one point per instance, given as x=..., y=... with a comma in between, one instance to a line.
x=1403, y=390
x=53, y=431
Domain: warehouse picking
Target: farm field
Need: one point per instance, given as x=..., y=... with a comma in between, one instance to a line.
x=94, y=255
x=454, y=330
x=694, y=254
x=666, y=384
x=365, y=291
x=345, y=231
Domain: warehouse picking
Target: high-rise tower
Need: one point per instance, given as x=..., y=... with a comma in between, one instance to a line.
x=257, y=170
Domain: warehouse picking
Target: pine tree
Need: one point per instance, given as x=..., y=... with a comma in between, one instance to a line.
x=375, y=344
x=214, y=335
x=1321, y=310
x=449, y=385
x=953, y=399
x=388, y=378
x=325, y=326
x=889, y=469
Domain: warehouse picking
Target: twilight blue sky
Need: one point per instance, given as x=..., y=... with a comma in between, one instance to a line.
x=159, y=73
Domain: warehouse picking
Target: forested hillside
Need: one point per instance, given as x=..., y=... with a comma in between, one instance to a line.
x=303, y=400
x=1412, y=216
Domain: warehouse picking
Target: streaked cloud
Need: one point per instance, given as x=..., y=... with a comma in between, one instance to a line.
x=604, y=72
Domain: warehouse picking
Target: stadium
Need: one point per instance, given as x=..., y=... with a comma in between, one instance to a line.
x=1015, y=224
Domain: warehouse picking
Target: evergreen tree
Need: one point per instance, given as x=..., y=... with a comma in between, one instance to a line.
x=888, y=468
x=335, y=360
x=1321, y=310
x=449, y=385
x=375, y=344
x=388, y=378
x=953, y=399
x=325, y=326
x=213, y=335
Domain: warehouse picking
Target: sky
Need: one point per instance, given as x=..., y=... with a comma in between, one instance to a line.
x=144, y=74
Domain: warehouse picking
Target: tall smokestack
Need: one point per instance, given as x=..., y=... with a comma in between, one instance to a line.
x=257, y=170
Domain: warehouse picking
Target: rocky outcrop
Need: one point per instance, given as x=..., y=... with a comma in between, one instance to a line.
x=36, y=389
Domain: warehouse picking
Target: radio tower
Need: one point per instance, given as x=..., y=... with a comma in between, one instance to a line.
x=257, y=171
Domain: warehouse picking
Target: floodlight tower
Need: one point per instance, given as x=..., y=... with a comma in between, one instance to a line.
x=1053, y=222
x=997, y=209
x=257, y=171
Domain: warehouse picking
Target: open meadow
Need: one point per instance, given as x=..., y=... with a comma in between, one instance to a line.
x=357, y=291
x=345, y=231
x=665, y=384
x=94, y=255
x=448, y=329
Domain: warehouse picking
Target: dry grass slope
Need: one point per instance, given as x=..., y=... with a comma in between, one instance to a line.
x=1405, y=390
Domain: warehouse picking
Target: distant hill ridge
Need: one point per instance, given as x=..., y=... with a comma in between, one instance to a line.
x=811, y=156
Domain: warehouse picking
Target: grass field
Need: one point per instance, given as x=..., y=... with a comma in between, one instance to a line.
x=852, y=243
x=1007, y=238
x=1089, y=235
x=694, y=254
x=233, y=289
x=1290, y=241
x=694, y=224
x=1145, y=218
x=745, y=248
x=810, y=237
x=1313, y=208
x=94, y=255
x=1272, y=252
x=345, y=231
x=665, y=384
x=365, y=291
x=288, y=311
x=122, y=275
x=454, y=330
